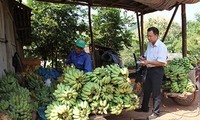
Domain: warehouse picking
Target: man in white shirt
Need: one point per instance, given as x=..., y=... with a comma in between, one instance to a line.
x=154, y=59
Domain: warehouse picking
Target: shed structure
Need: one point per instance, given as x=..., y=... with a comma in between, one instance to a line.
x=140, y=7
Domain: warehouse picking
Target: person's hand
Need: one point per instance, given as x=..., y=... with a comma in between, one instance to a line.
x=144, y=62
x=142, y=58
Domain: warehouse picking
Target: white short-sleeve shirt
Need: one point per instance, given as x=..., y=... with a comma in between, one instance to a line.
x=157, y=52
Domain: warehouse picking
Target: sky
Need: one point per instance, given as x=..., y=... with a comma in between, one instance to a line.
x=191, y=10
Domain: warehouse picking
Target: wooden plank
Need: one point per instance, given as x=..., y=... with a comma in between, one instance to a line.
x=142, y=34
x=97, y=117
x=169, y=25
x=139, y=32
x=91, y=36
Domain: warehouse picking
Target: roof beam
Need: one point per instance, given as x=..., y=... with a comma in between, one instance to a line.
x=64, y=2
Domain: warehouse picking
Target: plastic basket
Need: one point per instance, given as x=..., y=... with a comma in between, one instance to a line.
x=41, y=113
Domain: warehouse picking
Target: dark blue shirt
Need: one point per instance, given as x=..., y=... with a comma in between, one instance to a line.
x=81, y=61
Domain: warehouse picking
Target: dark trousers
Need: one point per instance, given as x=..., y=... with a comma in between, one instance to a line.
x=153, y=85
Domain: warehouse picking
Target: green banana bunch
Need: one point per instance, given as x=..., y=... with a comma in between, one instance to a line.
x=81, y=111
x=193, y=60
x=117, y=80
x=107, y=92
x=99, y=107
x=174, y=87
x=59, y=111
x=8, y=84
x=65, y=94
x=105, y=80
x=175, y=72
x=190, y=87
x=44, y=95
x=4, y=104
x=166, y=85
x=123, y=87
x=34, y=82
x=124, y=72
x=130, y=101
x=101, y=71
x=184, y=62
x=116, y=106
x=15, y=100
x=90, y=91
x=74, y=78
x=114, y=69
x=89, y=76
x=20, y=106
x=182, y=85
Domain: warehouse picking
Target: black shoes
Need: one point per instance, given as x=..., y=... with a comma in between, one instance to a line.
x=141, y=110
x=152, y=116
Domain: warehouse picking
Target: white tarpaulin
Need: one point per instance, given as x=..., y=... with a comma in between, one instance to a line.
x=164, y=4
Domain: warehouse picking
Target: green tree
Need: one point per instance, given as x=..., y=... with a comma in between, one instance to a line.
x=193, y=36
x=111, y=29
x=173, y=37
x=55, y=28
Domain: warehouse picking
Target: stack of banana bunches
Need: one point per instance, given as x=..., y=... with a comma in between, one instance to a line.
x=15, y=101
x=177, y=79
x=106, y=90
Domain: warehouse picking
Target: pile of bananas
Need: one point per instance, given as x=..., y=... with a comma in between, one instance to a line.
x=176, y=73
x=105, y=90
x=14, y=99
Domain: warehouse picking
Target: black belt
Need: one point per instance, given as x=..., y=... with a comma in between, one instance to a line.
x=151, y=68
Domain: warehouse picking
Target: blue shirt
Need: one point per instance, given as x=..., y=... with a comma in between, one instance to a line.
x=81, y=61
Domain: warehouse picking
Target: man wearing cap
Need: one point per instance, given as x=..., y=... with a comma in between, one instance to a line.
x=79, y=57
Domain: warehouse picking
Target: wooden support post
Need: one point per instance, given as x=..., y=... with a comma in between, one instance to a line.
x=184, y=36
x=139, y=34
x=142, y=33
x=91, y=36
x=169, y=25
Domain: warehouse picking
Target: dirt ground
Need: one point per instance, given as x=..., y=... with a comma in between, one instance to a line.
x=169, y=111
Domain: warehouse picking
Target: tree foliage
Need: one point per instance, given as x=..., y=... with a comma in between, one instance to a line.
x=54, y=29
x=111, y=29
x=173, y=37
x=193, y=36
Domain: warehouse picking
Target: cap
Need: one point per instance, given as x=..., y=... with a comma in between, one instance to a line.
x=80, y=43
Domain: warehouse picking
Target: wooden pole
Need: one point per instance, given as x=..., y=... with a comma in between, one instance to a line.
x=91, y=36
x=142, y=34
x=139, y=34
x=169, y=25
x=184, y=36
